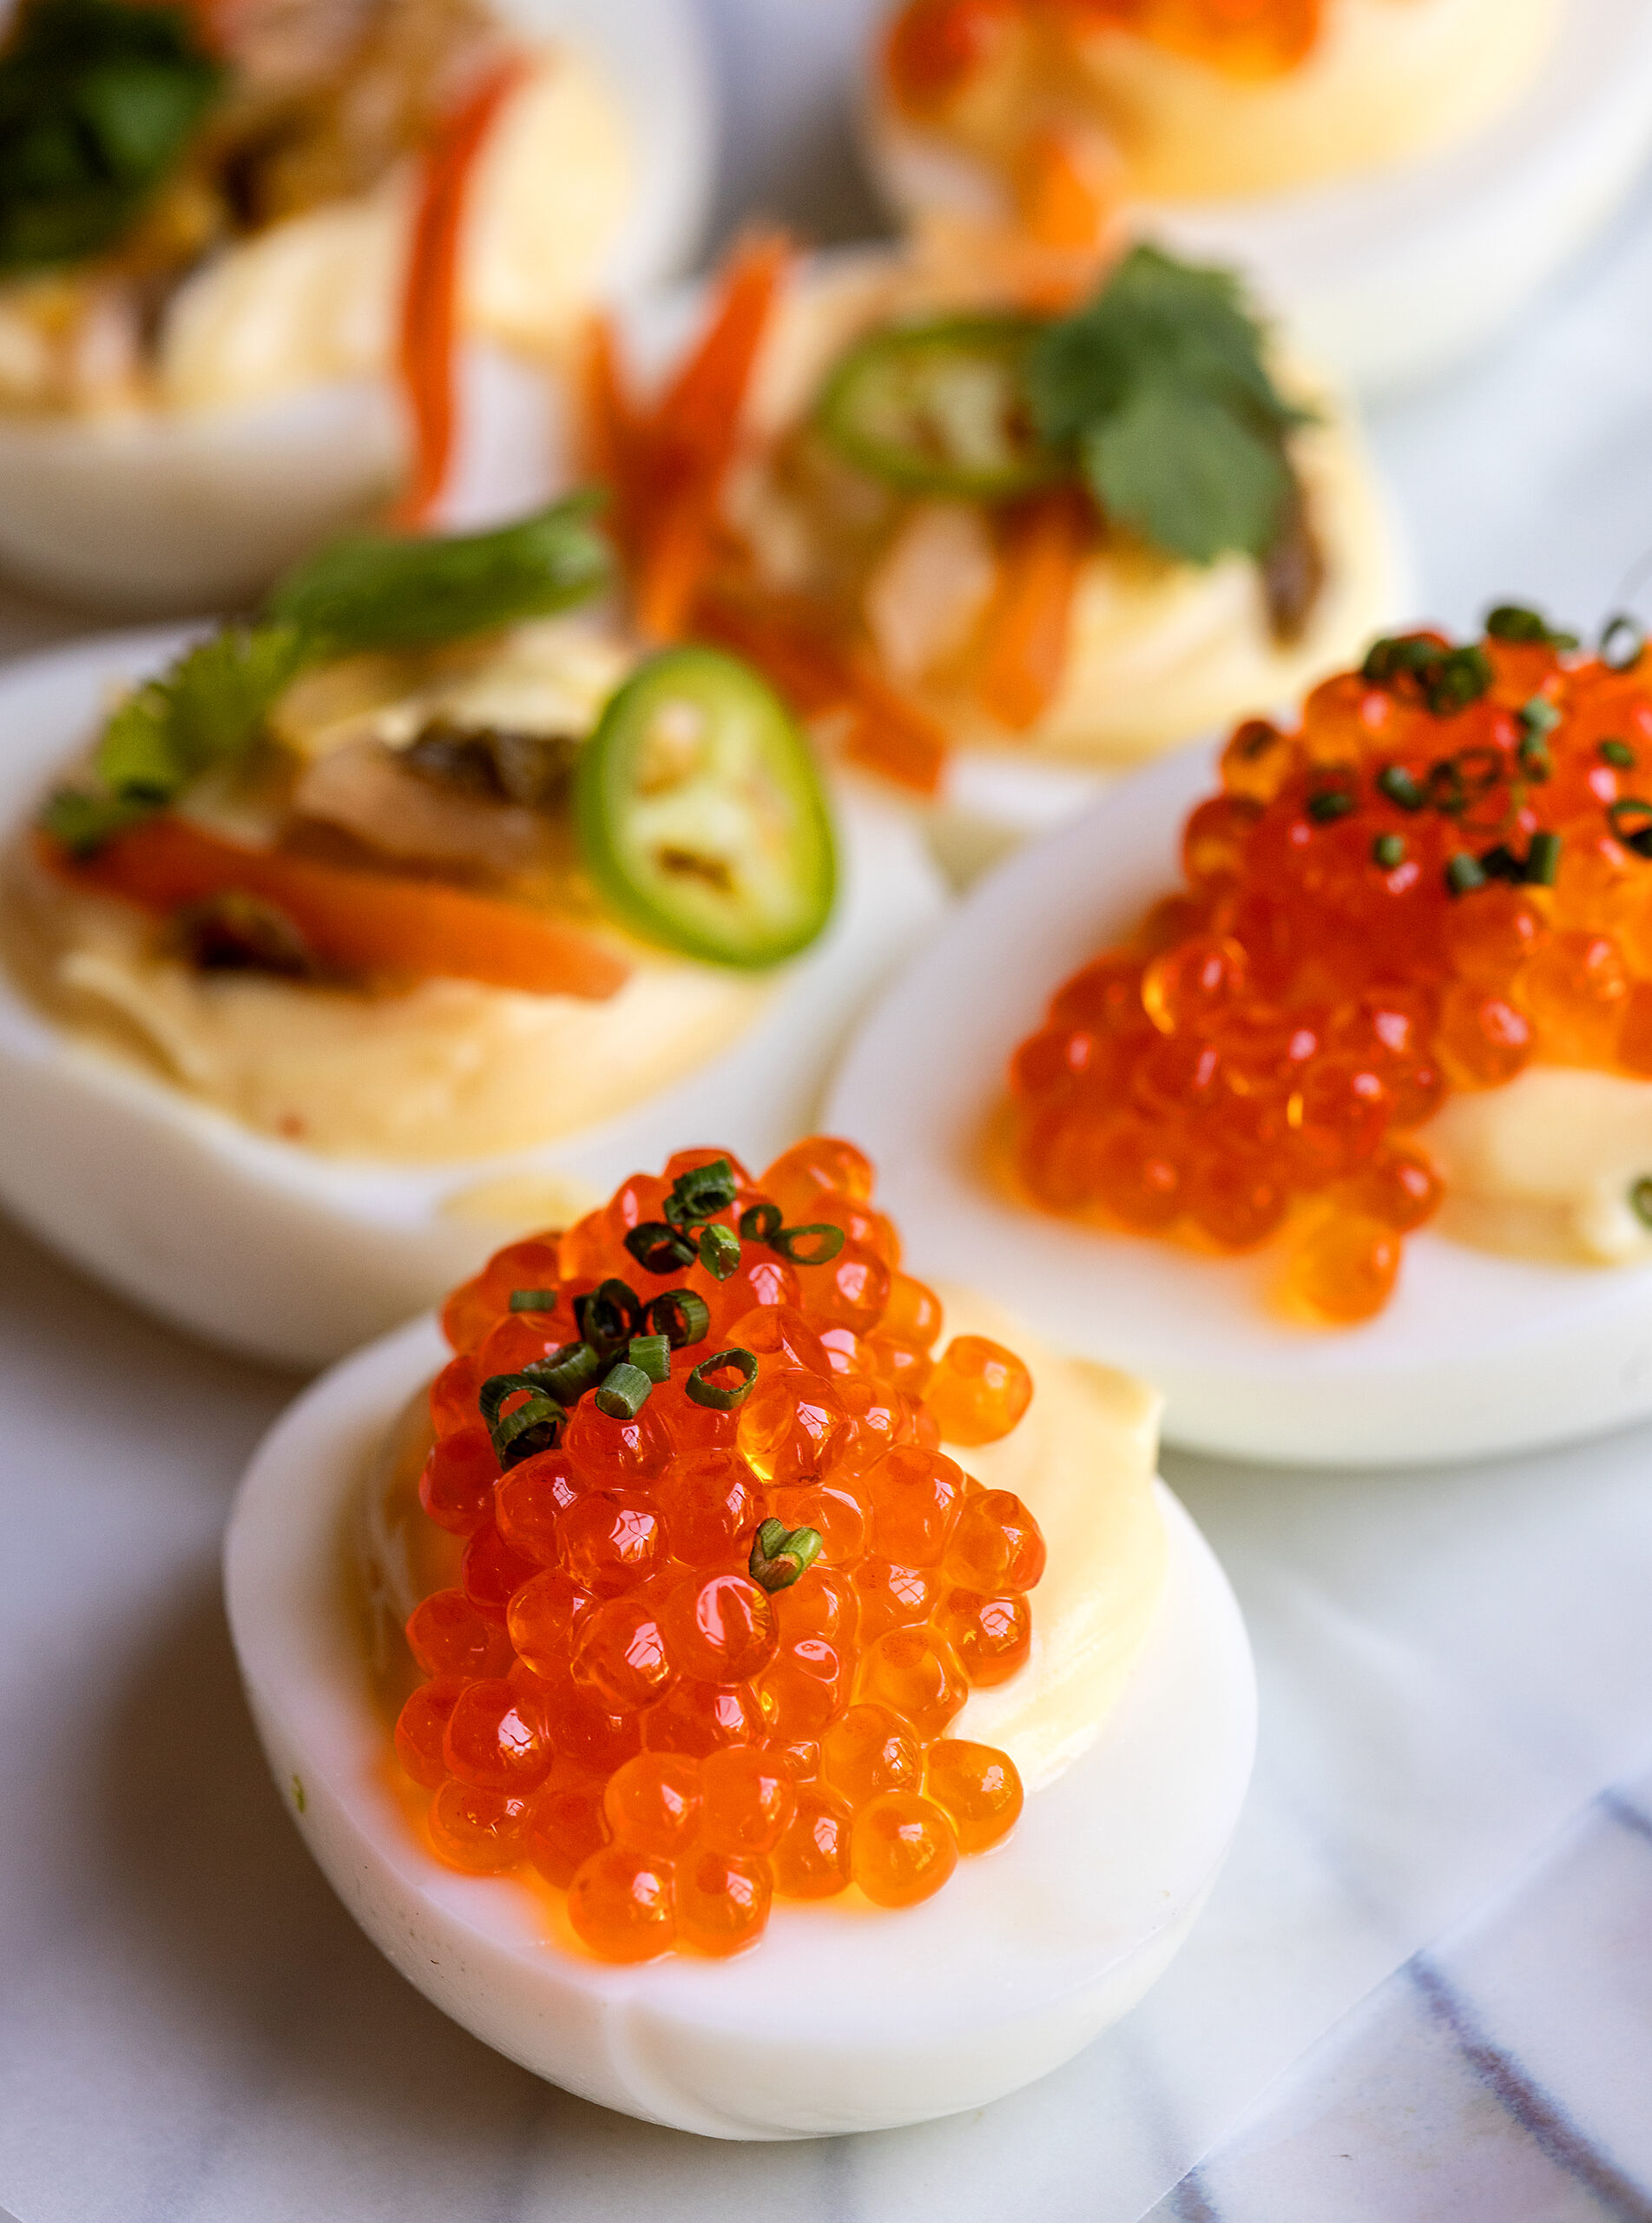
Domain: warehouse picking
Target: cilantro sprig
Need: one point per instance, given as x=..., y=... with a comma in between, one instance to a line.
x=1158, y=388
x=99, y=99
x=369, y=592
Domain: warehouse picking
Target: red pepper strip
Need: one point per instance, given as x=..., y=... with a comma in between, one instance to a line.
x=427, y=356
x=821, y=676
x=354, y=922
x=1028, y=625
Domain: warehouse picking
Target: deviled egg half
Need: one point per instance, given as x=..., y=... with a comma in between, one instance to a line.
x=288, y=244
x=737, y=1712
x=1317, y=1083
x=1401, y=176
x=996, y=550
x=404, y=917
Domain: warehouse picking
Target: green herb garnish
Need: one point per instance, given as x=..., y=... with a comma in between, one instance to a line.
x=719, y=1250
x=703, y=1390
x=780, y=1554
x=98, y=103
x=1464, y=874
x=682, y=1315
x=1618, y=753
x=1622, y=642
x=1388, y=850
x=1160, y=388
x=1330, y=804
x=626, y=1389
x=1543, y=860
x=1512, y=620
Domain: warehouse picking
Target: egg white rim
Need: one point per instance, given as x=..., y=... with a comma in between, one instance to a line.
x=1477, y=1353
x=1058, y=1948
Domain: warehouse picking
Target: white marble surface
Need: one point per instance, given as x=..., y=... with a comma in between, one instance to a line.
x=1423, y=1988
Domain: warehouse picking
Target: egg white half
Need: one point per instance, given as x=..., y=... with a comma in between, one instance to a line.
x=1477, y=1352
x=840, y=2019
x=159, y=511
x=1393, y=278
x=272, y=1249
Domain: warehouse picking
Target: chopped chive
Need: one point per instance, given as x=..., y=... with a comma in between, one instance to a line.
x=1398, y=656
x=1534, y=760
x=779, y=1555
x=534, y=1426
x=1388, y=850
x=624, y=1392
x=1396, y=783
x=659, y=1249
x=1329, y=805
x=568, y=1373
x=1620, y=817
x=1622, y=642
x=609, y=1313
x=1543, y=860
x=1538, y=718
x=533, y=1300
x=1501, y=864
x=1464, y=874
x=1641, y=1199
x=1511, y=621
x=761, y=1223
x=1618, y=753
x=682, y=1315
x=701, y=1193
x=704, y=1391
x=817, y=1244
x=1458, y=681
x=653, y=1354
x=719, y=1250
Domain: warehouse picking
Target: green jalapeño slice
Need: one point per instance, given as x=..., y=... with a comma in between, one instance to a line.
x=700, y=813
x=941, y=408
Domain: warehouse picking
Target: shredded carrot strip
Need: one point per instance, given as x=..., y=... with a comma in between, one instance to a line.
x=1027, y=627
x=1065, y=196
x=358, y=922
x=790, y=640
x=427, y=353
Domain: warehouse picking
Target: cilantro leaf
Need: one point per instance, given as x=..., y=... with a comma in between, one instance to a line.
x=1160, y=387
x=98, y=100
x=208, y=707
x=376, y=590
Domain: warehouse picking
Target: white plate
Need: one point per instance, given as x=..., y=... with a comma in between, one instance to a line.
x=1476, y=1354
x=272, y=1249
x=1391, y=277
x=837, y=2020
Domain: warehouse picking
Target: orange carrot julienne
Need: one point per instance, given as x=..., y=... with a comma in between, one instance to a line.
x=1028, y=624
x=429, y=338
x=356, y=923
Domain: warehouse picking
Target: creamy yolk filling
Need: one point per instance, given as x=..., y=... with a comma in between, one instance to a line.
x=317, y=297
x=1083, y=1461
x=1157, y=648
x=1387, y=82
x=446, y=1070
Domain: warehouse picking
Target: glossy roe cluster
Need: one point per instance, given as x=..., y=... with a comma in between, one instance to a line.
x=1443, y=874
x=701, y=1654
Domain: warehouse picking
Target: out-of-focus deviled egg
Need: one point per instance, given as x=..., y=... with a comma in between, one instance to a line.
x=255, y=255
x=1400, y=175
x=1323, y=1099
x=990, y=547
x=695, y=1729
x=400, y=917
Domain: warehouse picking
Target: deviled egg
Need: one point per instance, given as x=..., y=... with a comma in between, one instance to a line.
x=993, y=550
x=288, y=240
x=755, y=1769
x=385, y=925
x=1322, y=1099
x=1400, y=175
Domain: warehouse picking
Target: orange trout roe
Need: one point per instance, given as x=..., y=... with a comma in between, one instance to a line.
x=722, y=1596
x=1444, y=873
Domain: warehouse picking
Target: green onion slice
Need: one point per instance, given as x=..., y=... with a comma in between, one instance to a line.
x=652, y=1353
x=568, y=1373
x=1618, y=753
x=701, y=1193
x=779, y=1555
x=682, y=1315
x=1330, y=804
x=816, y=1245
x=1464, y=874
x=1388, y=850
x=533, y=1300
x=609, y=1313
x=1511, y=621
x=761, y=1223
x=701, y=815
x=704, y=1391
x=1622, y=642
x=626, y=1389
x=1396, y=783
x=719, y=1250
x=659, y=1249
x=1543, y=860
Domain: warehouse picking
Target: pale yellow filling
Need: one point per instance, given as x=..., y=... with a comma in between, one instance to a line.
x=1083, y=1461
x=1544, y=1167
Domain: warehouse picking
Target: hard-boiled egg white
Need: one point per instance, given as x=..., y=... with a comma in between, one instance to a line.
x=272, y=1248
x=1158, y=655
x=199, y=501
x=1477, y=1352
x=1393, y=275
x=841, y=2017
